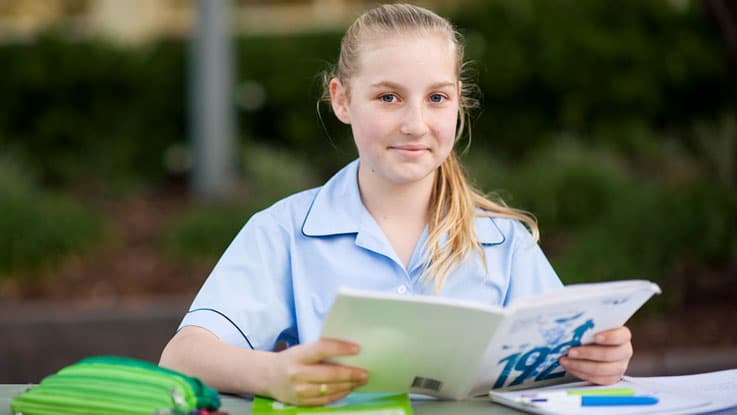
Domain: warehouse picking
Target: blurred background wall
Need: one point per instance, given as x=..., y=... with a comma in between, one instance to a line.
x=613, y=122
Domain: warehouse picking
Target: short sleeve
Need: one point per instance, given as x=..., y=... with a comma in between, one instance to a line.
x=531, y=272
x=247, y=299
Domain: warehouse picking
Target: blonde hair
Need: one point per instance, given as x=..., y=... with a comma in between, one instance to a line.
x=454, y=203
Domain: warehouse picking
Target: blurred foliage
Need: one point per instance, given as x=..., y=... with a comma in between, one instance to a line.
x=38, y=229
x=290, y=69
x=612, y=122
x=204, y=231
x=87, y=113
x=602, y=221
x=80, y=109
x=586, y=67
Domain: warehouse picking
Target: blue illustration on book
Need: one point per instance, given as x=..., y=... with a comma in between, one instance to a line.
x=541, y=362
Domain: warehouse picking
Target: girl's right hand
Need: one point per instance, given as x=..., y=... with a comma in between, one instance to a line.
x=302, y=377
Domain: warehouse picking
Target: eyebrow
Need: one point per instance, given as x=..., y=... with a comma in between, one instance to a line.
x=393, y=85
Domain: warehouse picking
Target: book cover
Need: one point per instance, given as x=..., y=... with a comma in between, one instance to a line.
x=358, y=403
x=454, y=350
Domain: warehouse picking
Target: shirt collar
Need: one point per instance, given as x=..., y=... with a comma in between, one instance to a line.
x=337, y=209
x=488, y=232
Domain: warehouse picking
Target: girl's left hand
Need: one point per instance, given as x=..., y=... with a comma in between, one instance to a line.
x=604, y=361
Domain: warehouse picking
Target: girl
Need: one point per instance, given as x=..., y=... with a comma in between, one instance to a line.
x=400, y=218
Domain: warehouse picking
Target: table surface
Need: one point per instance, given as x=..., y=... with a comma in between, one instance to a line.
x=240, y=406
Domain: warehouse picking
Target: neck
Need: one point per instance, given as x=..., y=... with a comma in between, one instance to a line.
x=395, y=201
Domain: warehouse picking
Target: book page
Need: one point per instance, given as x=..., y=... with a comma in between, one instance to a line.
x=570, y=293
x=720, y=386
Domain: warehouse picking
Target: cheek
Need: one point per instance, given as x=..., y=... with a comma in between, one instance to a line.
x=446, y=126
x=364, y=137
x=370, y=128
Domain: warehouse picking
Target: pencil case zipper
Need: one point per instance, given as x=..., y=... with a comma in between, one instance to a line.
x=72, y=393
x=142, y=392
x=62, y=403
x=205, y=396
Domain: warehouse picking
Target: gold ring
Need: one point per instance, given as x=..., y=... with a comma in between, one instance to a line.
x=323, y=389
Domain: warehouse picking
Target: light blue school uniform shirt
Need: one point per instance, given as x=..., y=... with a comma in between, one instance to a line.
x=279, y=276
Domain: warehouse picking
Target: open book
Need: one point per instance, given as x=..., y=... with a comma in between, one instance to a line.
x=455, y=350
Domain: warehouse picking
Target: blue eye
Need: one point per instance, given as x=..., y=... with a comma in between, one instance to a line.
x=388, y=98
x=436, y=98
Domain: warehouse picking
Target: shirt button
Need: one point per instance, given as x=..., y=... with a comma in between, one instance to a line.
x=402, y=289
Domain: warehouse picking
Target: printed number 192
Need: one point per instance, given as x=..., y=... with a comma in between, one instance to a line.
x=529, y=362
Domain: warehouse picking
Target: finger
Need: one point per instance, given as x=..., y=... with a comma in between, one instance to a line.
x=619, y=335
x=327, y=348
x=601, y=353
x=329, y=373
x=322, y=400
x=599, y=380
x=311, y=390
x=589, y=369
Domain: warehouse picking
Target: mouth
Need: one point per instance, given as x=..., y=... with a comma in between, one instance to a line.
x=410, y=148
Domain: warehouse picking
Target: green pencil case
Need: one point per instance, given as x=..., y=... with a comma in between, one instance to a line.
x=112, y=385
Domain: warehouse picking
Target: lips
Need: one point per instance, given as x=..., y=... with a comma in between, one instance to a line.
x=410, y=152
x=410, y=147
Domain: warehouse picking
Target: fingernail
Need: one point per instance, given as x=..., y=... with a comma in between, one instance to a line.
x=599, y=339
x=573, y=353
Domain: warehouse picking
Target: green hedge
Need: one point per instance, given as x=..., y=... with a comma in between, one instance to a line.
x=604, y=119
x=589, y=67
x=76, y=111
x=81, y=109
x=204, y=231
x=601, y=220
x=39, y=229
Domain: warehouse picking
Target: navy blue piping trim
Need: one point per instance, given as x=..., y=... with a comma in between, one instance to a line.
x=504, y=237
x=229, y=320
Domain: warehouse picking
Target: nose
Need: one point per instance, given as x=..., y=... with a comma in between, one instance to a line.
x=413, y=122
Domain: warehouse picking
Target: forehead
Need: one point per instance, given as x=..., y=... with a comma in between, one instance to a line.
x=411, y=57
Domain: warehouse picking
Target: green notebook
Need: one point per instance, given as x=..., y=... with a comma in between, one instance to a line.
x=355, y=403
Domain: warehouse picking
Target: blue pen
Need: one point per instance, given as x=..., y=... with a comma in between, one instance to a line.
x=617, y=400
x=565, y=399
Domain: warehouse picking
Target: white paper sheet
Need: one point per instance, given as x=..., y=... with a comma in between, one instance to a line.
x=719, y=386
x=692, y=394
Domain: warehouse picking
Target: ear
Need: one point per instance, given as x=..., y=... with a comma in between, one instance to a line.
x=339, y=101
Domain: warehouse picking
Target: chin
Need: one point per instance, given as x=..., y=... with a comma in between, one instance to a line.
x=410, y=175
